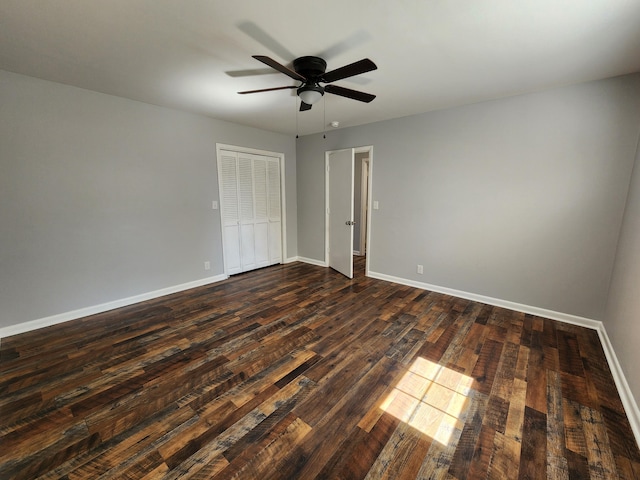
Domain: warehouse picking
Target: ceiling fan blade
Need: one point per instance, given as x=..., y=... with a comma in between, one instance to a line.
x=267, y=89
x=349, y=43
x=356, y=68
x=347, y=92
x=250, y=72
x=266, y=40
x=304, y=106
x=281, y=68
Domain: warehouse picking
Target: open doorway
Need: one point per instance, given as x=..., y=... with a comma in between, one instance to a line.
x=360, y=206
x=361, y=209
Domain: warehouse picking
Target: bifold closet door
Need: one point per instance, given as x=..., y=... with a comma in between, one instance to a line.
x=261, y=219
x=275, y=211
x=230, y=211
x=251, y=210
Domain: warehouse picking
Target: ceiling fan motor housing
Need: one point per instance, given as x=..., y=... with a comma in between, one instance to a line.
x=311, y=68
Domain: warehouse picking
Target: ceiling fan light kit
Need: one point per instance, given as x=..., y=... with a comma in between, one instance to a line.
x=311, y=71
x=310, y=94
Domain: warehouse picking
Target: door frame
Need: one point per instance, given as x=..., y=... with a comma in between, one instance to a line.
x=283, y=202
x=363, y=149
x=364, y=206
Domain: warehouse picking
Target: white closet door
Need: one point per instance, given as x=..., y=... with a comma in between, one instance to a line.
x=274, y=211
x=261, y=211
x=229, y=211
x=247, y=217
x=250, y=202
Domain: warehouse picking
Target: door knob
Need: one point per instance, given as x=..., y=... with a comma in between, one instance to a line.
x=349, y=222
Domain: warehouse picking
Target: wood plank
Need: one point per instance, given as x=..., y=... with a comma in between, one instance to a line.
x=601, y=461
x=578, y=466
x=479, y=464
x=569, y=353
x=534, y=445
x=503, y=382
x=357, y=454
x=485, y=369
x=505, y=458
x=573, y=428
x=471, y=445
x=557, y=466
x=402, y=456
x=536, y=375
x=515, y=417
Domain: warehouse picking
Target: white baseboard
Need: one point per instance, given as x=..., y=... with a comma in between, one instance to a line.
x=628, y=400
x=518, y=307
x=311, y=261
x=103, y=307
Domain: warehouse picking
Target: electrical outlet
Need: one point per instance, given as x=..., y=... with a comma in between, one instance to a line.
x=207, y=265
x=420, y=270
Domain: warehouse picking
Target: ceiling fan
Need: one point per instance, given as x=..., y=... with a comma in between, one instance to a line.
x=311, y=72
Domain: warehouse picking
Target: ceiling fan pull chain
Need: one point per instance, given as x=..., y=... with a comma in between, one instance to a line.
x=324, y=117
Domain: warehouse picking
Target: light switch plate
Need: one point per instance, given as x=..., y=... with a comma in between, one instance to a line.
x=214, y=204
x=376, y=205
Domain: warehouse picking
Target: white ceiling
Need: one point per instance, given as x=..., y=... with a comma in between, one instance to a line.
x=431, y=54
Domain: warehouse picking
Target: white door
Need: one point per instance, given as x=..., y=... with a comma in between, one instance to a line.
x=340, y=210
x=250, y=210
x=230, y=212
x=247, y=218
x=275, y=211
x=261, y=211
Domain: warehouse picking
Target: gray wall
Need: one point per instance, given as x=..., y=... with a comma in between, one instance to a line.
x=520, y=199
x=102, y=198
x=622, y=321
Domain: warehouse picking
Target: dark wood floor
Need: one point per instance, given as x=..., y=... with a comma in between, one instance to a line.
x=297, y=372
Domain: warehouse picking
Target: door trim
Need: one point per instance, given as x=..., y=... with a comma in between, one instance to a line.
x=283, y=203
x=368, y=149
x=364, y=206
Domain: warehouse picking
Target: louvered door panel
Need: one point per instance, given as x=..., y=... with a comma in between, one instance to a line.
x=261, y=211
x=274, y=189
x=274, y=209
x=250, y=210
x=247, y=220
x=245, y=188
x=260, y=182
x=229, y=211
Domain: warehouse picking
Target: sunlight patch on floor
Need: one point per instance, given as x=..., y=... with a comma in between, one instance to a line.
x=430, y=398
